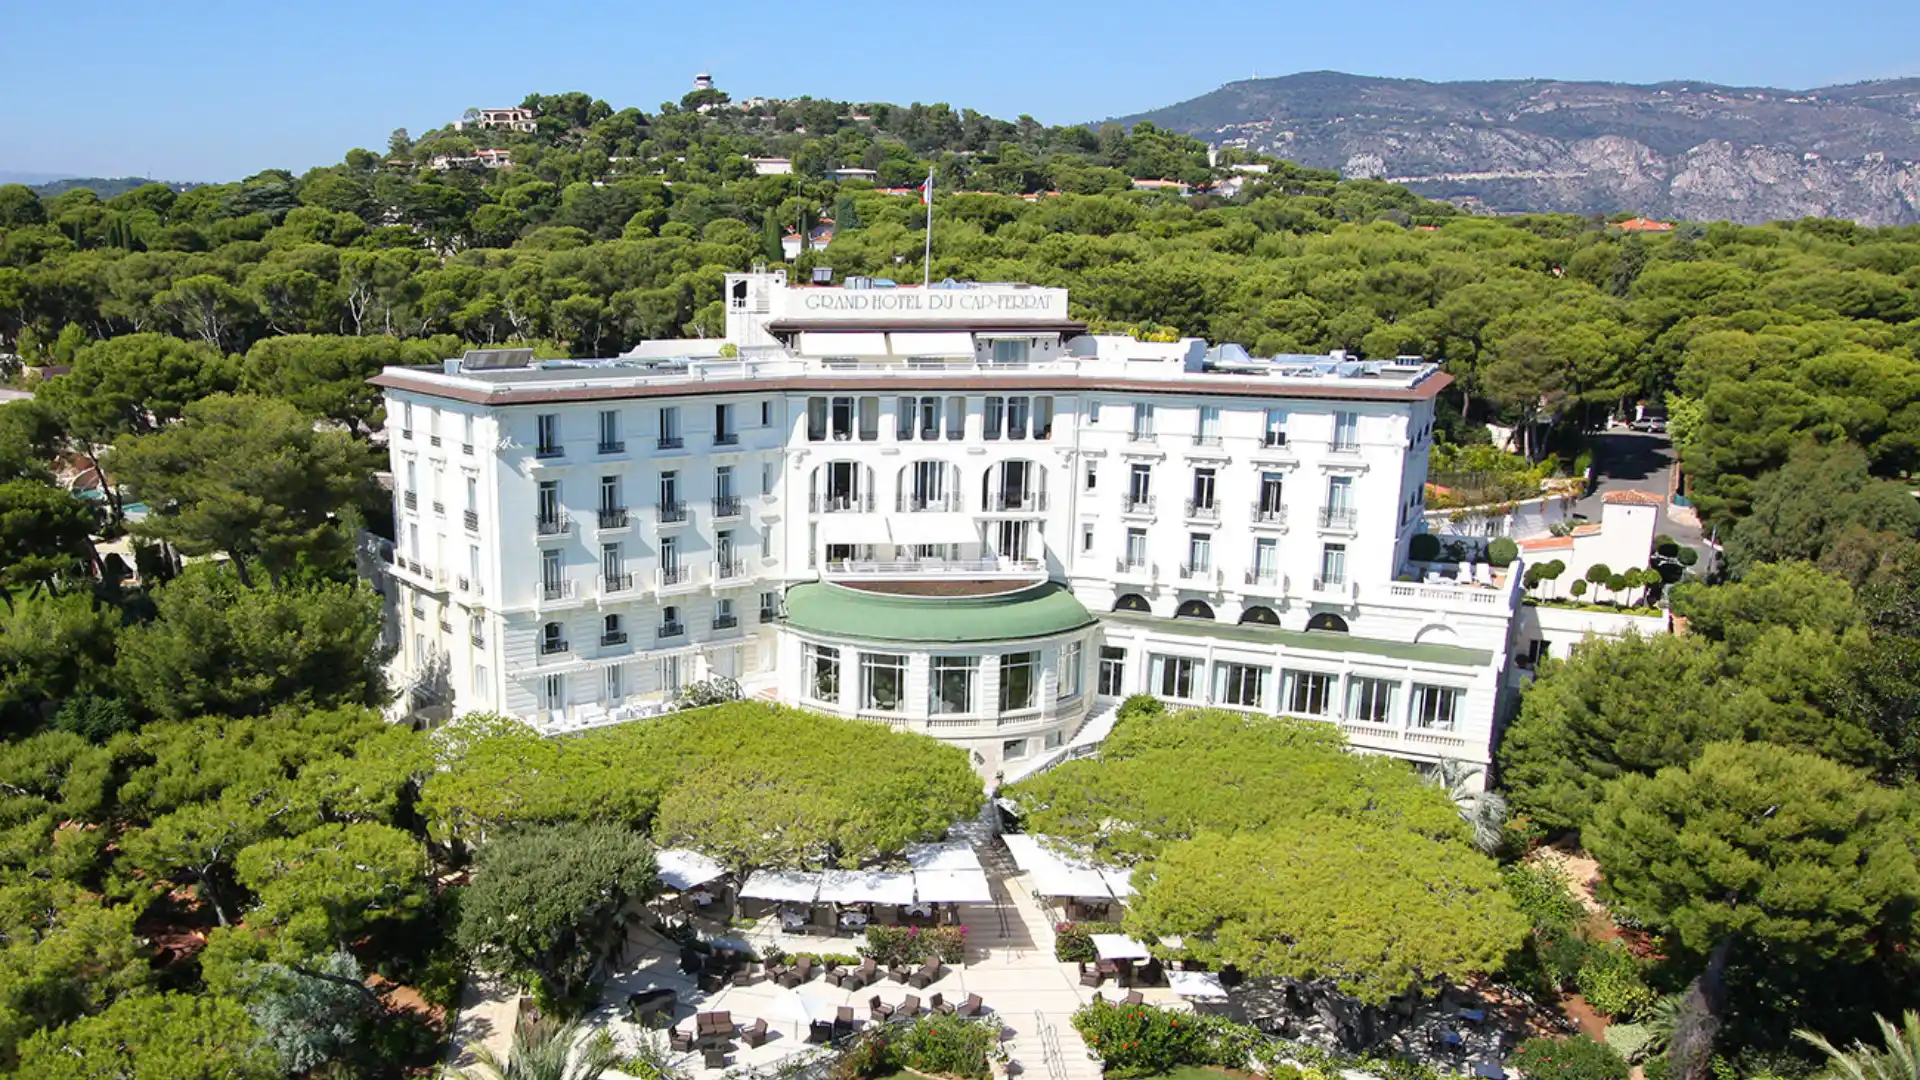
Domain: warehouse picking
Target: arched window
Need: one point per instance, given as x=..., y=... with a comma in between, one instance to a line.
x=1194, y=609
x=1262, y=616
x=553, y=638
x=1133, y=602
x=1326, y=620
x=1014, y=484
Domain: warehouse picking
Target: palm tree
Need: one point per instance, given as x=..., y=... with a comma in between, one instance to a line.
x=1484, y=811
x=544, y=1051
x=1899, y=1059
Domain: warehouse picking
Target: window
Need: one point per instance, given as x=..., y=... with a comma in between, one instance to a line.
x=553, y=692
x=1018, y=410
x=1202, y=490
x=1093, y=412
x=1069, y=680
x=1266, y=561
x=473, y=494
x=669, y=491
x=1013, y=749
x=1142, y=421
x=1308, y=693
x=550, y=571
x=1093, y=475
x=1370, y=701
x=616, y=692
x=1333, y=564
x=1173, y=676
x=553, y=639
x=929, y=418
x=1086, y=538
x=1019, y=674
x=1244, y=685
x=951, y=683
x=670, y=438
x=670, y=624
x=1208, y=431
x=869, y=419
x=904, y=411
x=823, y=673
x=769, y=606
x=1136, y=548
x=1199, y=552
x=612, y=631
x=766, y=478
x=1140, y=486
x=1436, y=707
x=609, y=494
x=669, y=553
x=1339, y=510
x=883, y=679
x=481, y=686
x=766, y=414
x=1055, y=738
x=956, y=419
x=466, y=433
x=1011, y=350
x=610, y=432
x=406, y=419
x=547, y=435
x=1276, y=428
x=671, y=678
x=1113, y=671
x=1272, y=506
x=724, y=433
x=996, y=416
x=1346, y=431
x=1043, y=417
x=842, y=417
x=817, y=419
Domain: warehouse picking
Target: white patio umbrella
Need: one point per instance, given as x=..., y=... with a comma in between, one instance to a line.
x=803, y=1008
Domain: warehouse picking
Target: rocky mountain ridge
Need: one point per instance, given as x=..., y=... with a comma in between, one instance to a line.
x=1674, y=150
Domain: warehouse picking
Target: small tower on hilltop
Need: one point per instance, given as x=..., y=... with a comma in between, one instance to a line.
x=703, y=81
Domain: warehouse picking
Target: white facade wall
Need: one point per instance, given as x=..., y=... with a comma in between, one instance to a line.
x=1349, y=472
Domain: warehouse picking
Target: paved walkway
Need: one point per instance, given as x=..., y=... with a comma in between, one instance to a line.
x=486, y=1018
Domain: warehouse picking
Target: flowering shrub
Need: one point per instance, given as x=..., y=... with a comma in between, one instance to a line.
x=1138, y=1040
x=949, y=1045
x=1578, y=1058
x=891, y=945
x=1073, y=942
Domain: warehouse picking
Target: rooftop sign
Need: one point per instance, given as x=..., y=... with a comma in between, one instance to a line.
x=957, y=305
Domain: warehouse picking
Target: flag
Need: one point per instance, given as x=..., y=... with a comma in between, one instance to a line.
x=926, y=190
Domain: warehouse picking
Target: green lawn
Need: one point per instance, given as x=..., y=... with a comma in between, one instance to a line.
x=1197, y=1072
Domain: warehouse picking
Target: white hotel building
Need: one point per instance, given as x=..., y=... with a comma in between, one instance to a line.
x=950, y=510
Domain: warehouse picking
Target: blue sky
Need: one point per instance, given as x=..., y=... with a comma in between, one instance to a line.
x=215, y=90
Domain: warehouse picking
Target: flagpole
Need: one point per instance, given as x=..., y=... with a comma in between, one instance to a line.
x=927, y=262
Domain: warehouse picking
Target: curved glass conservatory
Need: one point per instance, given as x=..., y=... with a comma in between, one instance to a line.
x=996, y=666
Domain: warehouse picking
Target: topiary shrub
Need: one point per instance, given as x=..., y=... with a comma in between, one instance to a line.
x=1502, y=551
x=1424, y=547
x=1579, y=588
x=1577, y=1058
x=1598, y=573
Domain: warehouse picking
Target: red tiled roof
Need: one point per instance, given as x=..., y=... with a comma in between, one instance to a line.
x=1641, y=224
x=1547, y=543
x=1633, y=498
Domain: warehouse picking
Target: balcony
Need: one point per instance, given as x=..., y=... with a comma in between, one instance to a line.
x=552, y=646
x=920, y=504
x=670, y=513
x=726, y=506
x=617, y=446
x=1264, y=579
x=466, y=448
x=1135, y=570
x=769, y=614
x=616, y=583
x=439, y=508
x=1337, y=517
x=725, y=622
x=614, y=517
x=471, y=518
x=433, y=440
x=479, y=641
x=726, y=438
x=1343, y=446
x=548, y=452
x=669, y=442
x=1140, y=435
x=1195, y=572
x=1333, y=588
x=406, y=433
x=1022, y=502
x=839, y=503
x=554, y=526
x=564, y=589
x=1203, y=510
x=729, y=570
x=1269, y=513
x=1204, y=438
x=610, y=640
x=412, y=499
x=672, y=629
x=1274, y=440
x=671, y=578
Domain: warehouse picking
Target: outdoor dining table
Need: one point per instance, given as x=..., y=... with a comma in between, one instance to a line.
x=853, y=919
x=1119, y=947
x=917, y=911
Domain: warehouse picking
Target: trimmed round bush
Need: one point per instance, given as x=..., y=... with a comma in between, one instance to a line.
x=1577, y=1058
x=1502, y=551
x=1424, y=547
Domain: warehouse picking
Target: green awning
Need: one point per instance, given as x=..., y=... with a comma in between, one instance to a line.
x=1041, y=611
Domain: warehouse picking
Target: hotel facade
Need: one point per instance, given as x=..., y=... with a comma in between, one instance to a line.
x=950, y=510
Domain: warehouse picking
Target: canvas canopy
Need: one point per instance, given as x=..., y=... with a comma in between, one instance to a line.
x=865, y=887
x=683, y=869
x=789, y=886
x=952, y=886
